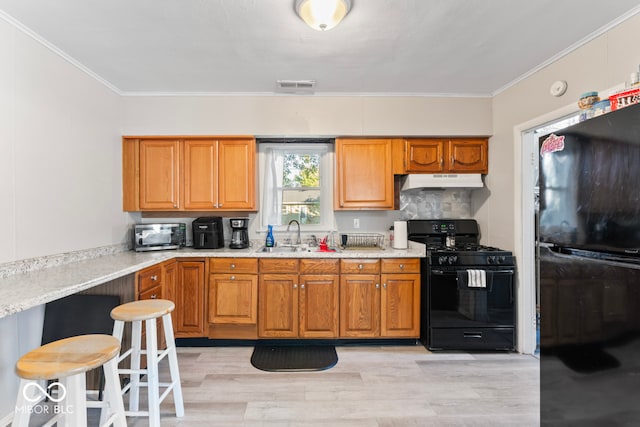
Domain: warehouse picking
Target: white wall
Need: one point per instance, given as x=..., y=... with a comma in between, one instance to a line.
x=60, y=153
x=306, y=115
x=60, y=172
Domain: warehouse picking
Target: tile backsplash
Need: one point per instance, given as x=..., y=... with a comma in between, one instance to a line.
x=435, y=204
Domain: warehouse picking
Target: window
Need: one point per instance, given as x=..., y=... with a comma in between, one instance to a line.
x=296, y=184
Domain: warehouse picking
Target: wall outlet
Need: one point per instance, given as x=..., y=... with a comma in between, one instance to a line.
x=356, y=222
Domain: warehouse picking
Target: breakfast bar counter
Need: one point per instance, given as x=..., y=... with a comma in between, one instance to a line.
x=24, y=290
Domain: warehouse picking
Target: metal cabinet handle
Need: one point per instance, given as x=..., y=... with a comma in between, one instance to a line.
x=377, y=285
x=232, y=266
x=401, y=266
x=175, y=206
x=384, y=286
x=154, y=296
x=232, y=278
x=302, y=286
x=154, y=278
x=295, y=286
x=360, y=266
x=219, y=205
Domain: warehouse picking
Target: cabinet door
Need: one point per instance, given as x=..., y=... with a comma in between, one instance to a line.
x=364, y=174
x=160, y=174
x=200, y=174
x=236, y=174
x=424, y=155
x=359, y=305
x=318, y=306
x=233, y=298
x=189, y=311
x=170, y=272
x=278, y=306
x=400, y=305
x=468, y=155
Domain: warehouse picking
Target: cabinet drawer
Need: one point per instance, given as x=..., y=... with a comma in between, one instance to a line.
x=233, y=265
x=280, y=265
x=316, y=266
x=357, y=266
x=149, y=277
x=151, y=293
x=401, y=265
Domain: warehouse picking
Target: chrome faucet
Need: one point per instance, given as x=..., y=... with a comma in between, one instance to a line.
x=298, y=241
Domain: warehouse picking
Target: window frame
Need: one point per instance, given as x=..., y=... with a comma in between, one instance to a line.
x=326, y=152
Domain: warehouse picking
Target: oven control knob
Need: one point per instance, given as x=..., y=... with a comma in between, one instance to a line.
x=442, y=260
x=502, y=259
x=491, y=259
x=452, y=259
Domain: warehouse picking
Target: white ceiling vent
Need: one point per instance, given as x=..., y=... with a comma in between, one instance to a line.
x=296, y=86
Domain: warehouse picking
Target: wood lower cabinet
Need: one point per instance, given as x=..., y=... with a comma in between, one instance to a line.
x=364, y=174
x=233, y=298
x=278, y=306
x=190, y=299
x=380, y=305
x=301, y=305
x=359, y=305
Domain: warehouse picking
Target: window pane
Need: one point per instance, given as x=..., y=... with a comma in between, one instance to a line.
x=301, y=192
x=301, y=170
x=302, y=205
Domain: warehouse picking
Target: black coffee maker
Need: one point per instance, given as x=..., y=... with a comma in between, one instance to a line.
x=239, y=233
x=207, y=233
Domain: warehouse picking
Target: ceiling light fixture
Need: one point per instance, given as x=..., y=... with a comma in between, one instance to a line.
x=322, y=15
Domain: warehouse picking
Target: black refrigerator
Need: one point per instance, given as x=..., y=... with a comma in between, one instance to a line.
x=589, y=236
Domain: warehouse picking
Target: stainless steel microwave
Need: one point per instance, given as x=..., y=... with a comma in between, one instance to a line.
x=155, y=237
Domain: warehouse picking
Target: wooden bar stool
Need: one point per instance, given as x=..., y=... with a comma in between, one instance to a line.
x=68, y=360
x=148, y=311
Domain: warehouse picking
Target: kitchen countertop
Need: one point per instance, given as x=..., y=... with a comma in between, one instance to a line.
x=22, y=291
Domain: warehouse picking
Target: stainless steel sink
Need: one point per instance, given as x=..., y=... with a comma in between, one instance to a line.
x=280, y=249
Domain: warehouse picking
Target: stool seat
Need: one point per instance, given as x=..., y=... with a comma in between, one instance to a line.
x=70, y=356
x=142, y=310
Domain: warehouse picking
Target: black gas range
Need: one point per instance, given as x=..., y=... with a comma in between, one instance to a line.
x=468, y=295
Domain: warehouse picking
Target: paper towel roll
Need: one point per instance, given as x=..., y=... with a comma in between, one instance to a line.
x=400, y=234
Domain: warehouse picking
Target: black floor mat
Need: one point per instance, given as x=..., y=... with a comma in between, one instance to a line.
x=294, y=358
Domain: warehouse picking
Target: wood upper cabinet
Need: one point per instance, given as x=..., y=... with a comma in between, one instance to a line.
x=189, y=174
x=424, y=155
x=430, y=155
x=364, y=174
x=160, y=181
x=236, y=174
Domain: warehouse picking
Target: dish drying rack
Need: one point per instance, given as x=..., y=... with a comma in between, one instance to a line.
x=358, y=241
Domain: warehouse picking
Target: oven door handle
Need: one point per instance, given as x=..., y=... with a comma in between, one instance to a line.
x=455, y=272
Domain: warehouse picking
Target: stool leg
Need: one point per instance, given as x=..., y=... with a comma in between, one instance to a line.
x=173, y=364
x=113, y=395
x=75, y=402
x=22, y=410
x=134, y=391
x=153, y=386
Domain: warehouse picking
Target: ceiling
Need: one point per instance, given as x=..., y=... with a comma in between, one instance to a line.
x=396, y=47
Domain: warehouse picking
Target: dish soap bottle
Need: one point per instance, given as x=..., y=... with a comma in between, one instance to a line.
x=269, y=242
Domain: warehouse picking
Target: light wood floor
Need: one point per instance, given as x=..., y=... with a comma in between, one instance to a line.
x=370, y=386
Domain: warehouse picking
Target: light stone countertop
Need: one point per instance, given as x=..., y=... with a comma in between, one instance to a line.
x=22, y=291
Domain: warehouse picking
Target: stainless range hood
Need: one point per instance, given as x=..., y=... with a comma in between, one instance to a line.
x=456, y=180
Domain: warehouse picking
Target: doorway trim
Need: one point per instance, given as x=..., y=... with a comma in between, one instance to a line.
x=524, y=225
